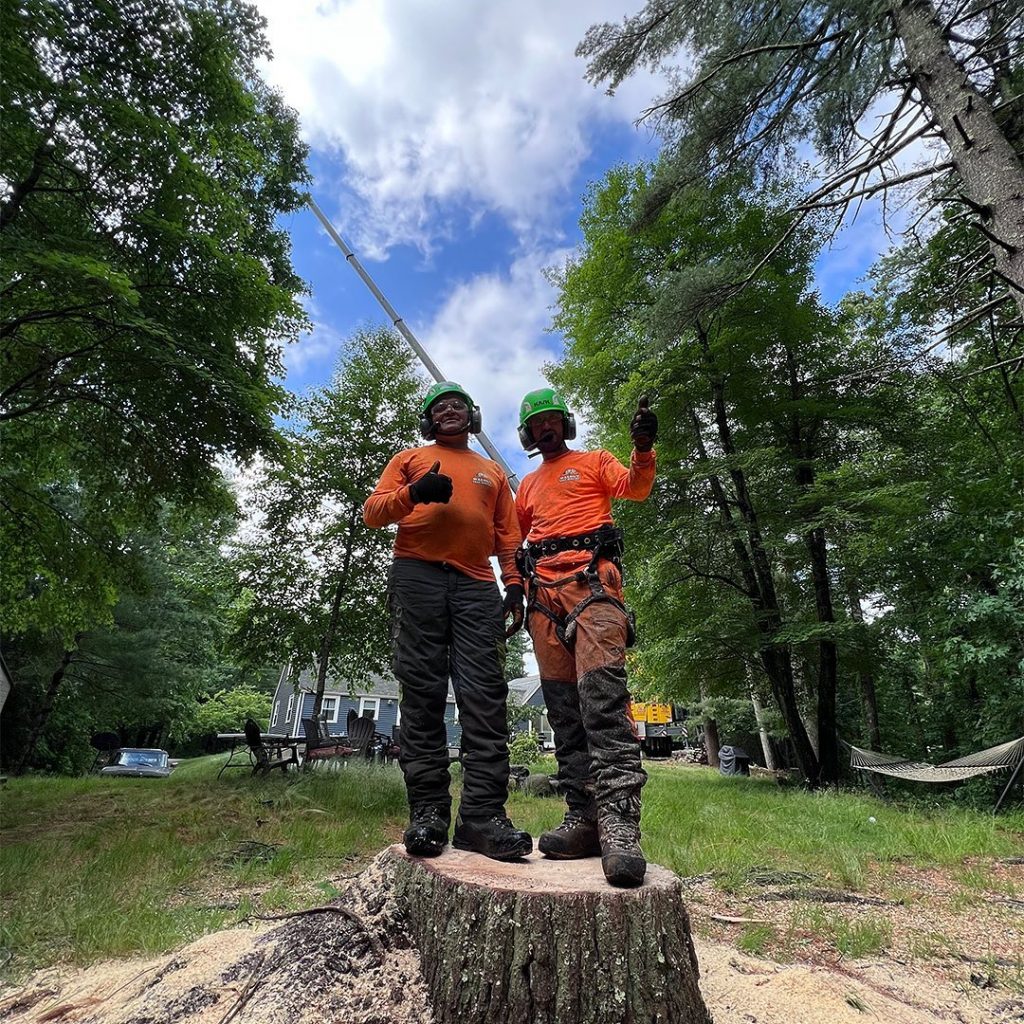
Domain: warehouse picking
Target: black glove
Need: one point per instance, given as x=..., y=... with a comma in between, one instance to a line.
x=513, y=605
x=643, y=428
x=432, y=486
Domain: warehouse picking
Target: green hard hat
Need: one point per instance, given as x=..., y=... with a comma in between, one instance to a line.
x=445, y=387
x=541, y=400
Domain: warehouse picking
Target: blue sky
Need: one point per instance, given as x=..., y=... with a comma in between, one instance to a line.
x=451, y=146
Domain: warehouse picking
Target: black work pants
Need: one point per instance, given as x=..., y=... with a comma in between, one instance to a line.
x=446, y=623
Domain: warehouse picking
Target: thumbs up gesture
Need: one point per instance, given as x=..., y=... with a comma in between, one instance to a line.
x=432, y=486
x=643, y=428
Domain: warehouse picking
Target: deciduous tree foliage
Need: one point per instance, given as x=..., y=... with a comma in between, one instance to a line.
x=313, y=575
x=862, y=82
x=146, y=281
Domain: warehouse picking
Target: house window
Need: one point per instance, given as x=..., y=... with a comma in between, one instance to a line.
x=398, y=716
x=291, y=707
x=277, y=711
x=369, y=707
x=329, y=709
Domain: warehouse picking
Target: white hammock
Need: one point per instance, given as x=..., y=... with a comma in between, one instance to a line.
x=994, y=759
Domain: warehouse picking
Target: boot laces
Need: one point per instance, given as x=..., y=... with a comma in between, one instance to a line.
x=572, y=821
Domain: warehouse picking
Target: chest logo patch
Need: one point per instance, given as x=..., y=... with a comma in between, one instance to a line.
x=483, y=479
x=569, y=476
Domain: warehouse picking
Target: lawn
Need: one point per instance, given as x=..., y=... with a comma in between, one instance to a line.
x=93, y=868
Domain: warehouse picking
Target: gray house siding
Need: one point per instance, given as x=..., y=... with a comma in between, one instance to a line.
x=379, y=701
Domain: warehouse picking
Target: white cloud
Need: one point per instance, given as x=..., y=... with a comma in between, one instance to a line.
x=442, y=107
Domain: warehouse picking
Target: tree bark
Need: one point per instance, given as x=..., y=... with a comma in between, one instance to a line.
x=991, y=172
x=545, y=942
x=712, y=743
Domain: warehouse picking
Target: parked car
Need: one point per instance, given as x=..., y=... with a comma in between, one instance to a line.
x=140, y=763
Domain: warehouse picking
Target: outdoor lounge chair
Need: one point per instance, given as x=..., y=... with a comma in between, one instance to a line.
x=320, y=744
x=360, y=733
x=260, y=753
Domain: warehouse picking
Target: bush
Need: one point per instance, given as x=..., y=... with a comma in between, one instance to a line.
x=524, y=748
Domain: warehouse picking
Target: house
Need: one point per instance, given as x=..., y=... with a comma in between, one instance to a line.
x=529, y=694
x=376, y=699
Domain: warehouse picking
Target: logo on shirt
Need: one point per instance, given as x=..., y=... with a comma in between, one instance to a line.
x=569, y=476
x=483, y=479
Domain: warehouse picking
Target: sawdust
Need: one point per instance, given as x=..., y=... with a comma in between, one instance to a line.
x=351, y=962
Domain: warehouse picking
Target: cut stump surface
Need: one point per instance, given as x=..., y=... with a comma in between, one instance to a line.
x=544, y=941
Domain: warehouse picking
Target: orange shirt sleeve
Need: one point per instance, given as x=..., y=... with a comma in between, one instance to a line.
x=634, y=483
x=390, y=500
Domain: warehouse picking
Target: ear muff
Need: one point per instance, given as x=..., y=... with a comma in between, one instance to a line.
x=476, y=423
x=568, y=431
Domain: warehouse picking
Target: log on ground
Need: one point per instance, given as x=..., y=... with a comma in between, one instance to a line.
x=543, y=941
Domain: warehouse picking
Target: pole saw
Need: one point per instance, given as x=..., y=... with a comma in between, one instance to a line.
x=403, y=329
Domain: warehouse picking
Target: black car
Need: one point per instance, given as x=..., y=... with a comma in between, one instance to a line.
x=140, y=763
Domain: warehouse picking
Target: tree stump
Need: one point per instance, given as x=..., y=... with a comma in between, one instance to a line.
x=543, y=941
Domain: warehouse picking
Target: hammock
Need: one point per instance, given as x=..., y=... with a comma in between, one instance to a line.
x=1006, y=755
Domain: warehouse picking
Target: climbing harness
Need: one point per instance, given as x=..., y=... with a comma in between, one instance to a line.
x=608, y=542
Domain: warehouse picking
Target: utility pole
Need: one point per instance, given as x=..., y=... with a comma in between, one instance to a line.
x=403, y=329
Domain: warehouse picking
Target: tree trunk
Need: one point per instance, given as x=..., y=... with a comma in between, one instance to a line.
x=766, y=743
x=712, y=742
x=546, y=942
x=991, y=172
x=868, y=697
x=775, y=659
x=46, y=708
x=327, y=641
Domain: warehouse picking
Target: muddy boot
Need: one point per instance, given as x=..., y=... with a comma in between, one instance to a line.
x=495, y=837
x=618, y=827
x=576, y=837
x=427, y=834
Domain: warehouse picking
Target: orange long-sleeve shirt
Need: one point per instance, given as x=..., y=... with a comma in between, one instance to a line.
x=572, y=494
x=478, y=522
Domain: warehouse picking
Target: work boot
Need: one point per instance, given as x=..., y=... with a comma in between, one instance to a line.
x=576, y=837
x=427, y=834
x=618, y=828
x=495, y=837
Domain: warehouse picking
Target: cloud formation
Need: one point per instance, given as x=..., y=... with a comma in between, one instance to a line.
x=444, y=107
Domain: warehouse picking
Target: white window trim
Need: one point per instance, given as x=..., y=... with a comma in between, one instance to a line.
x=365, y=703
x=337, y=708
x=277, y=711
x=291, y=707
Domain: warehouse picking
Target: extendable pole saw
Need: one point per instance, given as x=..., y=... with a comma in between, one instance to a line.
x=403, y=329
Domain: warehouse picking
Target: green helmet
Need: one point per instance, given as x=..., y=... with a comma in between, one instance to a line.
x=444, y=387
x=544, y=400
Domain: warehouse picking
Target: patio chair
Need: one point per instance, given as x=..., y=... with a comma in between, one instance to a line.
x=360, y=733
x=260, y=753
x=321, y=746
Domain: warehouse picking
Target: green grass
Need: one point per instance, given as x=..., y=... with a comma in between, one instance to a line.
x=93, y=868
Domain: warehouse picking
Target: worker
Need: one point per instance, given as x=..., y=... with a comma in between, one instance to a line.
x=454, y=510
x=581, y=629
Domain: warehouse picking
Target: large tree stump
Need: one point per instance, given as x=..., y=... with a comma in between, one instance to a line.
x=547, y=941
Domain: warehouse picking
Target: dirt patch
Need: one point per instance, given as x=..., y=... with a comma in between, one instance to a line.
x=350, y=961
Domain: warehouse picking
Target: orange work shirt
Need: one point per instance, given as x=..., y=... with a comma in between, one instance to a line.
x=573, y=493
x=478, y=521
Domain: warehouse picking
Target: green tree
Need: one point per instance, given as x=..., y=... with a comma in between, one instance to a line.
x=314, y=574
x=146, y=280
x=757, y=392
x=860, y=81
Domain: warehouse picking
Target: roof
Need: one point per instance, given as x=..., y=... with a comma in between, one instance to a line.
x=524, y=688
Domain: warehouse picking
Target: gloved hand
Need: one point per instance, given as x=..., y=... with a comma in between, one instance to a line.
x=513, y=605
x=643, y=428
x=432, y=486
